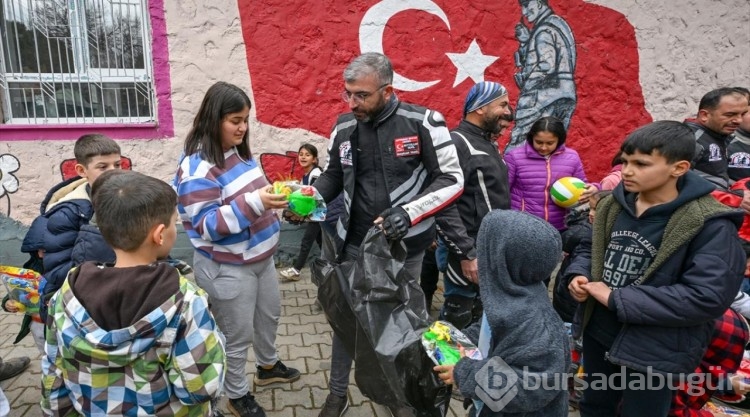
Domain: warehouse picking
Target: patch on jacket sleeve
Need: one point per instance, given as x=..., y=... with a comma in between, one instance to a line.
x=406, y=146
x=345, y=153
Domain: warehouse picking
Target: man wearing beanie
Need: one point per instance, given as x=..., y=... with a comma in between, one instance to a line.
x=739, y=148
x=485, y=189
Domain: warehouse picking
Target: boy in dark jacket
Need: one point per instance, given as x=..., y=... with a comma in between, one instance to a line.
x=63, y=232
x=665, y=263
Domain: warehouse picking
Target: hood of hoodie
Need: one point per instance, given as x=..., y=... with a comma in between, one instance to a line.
x=122, y=311
x=689, y=186
x=516, y=252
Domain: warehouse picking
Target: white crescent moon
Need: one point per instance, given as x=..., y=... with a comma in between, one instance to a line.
x=373, y=25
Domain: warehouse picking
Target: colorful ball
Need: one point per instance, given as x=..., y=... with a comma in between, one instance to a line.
x=566, y=191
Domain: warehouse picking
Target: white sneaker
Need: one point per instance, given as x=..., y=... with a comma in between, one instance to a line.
x=292, y=274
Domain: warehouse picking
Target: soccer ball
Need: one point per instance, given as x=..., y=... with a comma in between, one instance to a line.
x=566, y=191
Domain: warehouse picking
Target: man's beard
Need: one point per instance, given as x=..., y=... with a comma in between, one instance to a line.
x=369, y=116
x=491, y=124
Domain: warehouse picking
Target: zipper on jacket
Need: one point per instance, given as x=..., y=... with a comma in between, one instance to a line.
x=546, y=188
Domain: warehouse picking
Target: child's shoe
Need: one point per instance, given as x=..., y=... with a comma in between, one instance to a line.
x=291, y=273
x=279, y=373
x=245, y=406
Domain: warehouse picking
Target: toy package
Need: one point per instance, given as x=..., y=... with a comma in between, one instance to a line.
x=442, y=342
x=304, y=200
x=22, y=286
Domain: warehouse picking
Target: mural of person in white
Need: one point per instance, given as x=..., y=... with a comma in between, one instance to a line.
x=546, y=58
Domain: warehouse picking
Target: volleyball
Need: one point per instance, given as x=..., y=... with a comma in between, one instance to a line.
x=566, y=191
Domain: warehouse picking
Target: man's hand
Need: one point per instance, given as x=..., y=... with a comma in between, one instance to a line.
x=470, y=269
x=395, y=223
x=577, y=288
x=599, y=290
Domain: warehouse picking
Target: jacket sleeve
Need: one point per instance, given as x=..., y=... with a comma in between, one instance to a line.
x=711, y=277
x=468, y=373
x=580, y=258
x=63, y=226
x=211, y=218
x=441, y=162
x=450, y=225
x=330, y=183
x=56, y=397
x=741, y=304
x=196, y=366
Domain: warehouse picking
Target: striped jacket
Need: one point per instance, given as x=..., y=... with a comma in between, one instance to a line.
x=168, y=363
x=420, y=168
x=222, y=212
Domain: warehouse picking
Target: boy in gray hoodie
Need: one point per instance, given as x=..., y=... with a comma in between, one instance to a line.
x=522, y=339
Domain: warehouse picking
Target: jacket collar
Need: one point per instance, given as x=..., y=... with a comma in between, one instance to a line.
x=388, y=110
x=474, y=130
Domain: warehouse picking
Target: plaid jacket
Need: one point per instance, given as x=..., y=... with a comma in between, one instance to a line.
x=722, y=358
x=169, y=363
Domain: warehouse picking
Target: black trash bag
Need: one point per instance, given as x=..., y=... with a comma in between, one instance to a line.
x=379, y=313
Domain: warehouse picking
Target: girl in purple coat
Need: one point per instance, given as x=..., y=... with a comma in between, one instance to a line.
x=535, y=166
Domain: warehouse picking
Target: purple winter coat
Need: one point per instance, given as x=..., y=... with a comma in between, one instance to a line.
x=531, y=175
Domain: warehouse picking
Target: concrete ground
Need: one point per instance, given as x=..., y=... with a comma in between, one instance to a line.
x=304, y=342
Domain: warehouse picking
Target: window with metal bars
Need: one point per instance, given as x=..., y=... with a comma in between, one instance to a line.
x=76, y=62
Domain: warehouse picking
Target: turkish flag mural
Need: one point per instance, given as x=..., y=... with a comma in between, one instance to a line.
x=298, y=49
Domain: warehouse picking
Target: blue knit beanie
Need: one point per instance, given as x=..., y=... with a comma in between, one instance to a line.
x=482, y=94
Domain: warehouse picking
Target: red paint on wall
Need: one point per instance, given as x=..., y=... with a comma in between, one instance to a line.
x=279, y=167
x=297, y=51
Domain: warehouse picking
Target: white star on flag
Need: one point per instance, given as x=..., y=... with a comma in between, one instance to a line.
x=471, y=63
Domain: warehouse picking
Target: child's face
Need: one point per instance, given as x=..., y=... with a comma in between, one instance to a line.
x=646, y=173
x=169, y=236
x=747, y=268
x=545, y=143
x=98, y=165
x=305, y=158
x=233, y=128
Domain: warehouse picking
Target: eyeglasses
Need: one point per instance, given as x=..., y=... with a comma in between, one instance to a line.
x=360, y=97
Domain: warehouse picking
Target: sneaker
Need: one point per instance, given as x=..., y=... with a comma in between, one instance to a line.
x=335, y=406
x=279, y=373
x=13, y=367
x=245, y=407
x=292, y=274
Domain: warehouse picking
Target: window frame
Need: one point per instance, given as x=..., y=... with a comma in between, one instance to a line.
x=161, y=127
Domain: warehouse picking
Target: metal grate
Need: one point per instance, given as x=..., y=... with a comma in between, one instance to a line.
x=75, y=61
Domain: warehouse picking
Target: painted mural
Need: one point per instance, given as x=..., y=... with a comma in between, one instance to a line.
x=607, y=66
x=441, y=48
x=8, y=182
x=546, y=62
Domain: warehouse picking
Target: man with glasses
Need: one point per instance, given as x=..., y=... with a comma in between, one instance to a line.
x=397, y=166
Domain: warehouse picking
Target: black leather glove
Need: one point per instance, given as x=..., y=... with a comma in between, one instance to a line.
x=396, y=223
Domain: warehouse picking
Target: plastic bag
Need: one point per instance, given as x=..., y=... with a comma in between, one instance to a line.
x=23, y=287
x=378, y=311
x=442, y=342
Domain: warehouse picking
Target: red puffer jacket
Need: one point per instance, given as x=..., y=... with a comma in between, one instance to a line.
x=733, y=198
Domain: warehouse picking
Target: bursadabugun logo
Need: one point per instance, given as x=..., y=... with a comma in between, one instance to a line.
x=496, y=384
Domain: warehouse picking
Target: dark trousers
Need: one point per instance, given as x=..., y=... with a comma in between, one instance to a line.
x=312, y=234
x=430, y=275
x=601, y=400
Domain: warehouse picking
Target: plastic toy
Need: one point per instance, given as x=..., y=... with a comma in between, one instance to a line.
x=442, y=342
